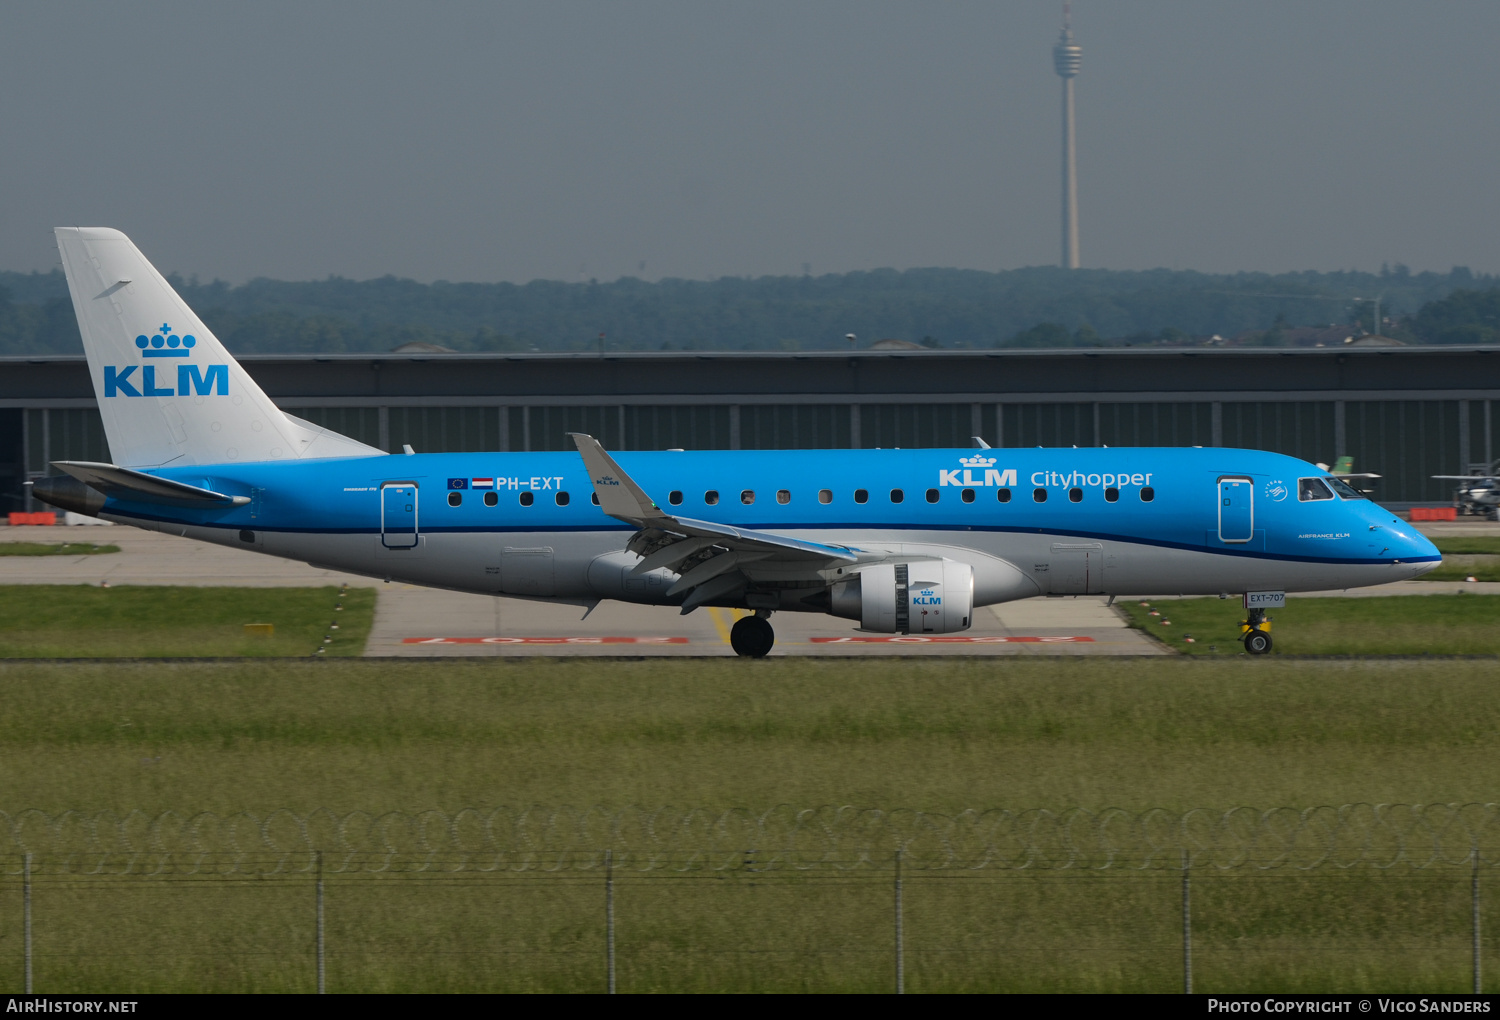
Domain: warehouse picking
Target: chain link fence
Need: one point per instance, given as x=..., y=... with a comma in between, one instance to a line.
x=1381, y=897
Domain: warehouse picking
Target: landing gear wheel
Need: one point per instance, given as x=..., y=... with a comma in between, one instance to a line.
x=1257, y=642
x=752, y=637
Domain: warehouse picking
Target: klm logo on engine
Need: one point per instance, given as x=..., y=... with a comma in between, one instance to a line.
x=976, y=463
x=211, y=380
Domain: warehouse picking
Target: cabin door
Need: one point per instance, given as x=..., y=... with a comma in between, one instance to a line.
x=398, y=515
x=1236, y=509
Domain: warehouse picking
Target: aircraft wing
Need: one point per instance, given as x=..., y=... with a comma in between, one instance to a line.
x=711, y=559
x=1465, y=478
x=1355, y=474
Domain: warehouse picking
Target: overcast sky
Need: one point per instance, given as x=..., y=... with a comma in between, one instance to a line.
x=567, y=140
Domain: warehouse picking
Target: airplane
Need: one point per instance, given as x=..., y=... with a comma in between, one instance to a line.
x=1343, y=467
x=1477, y=494
x=899, y=541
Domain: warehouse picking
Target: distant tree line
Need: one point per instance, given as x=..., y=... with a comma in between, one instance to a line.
x=949, y=308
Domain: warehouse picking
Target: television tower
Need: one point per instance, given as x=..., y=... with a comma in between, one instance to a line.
x=1067, y=57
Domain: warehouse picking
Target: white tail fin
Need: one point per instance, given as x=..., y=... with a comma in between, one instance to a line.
x=168, y=391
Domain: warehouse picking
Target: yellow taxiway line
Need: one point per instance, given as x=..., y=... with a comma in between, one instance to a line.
x=724, y=619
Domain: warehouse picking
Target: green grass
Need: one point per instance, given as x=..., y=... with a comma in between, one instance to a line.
x=1460, y=624
x=1465, y=556
x=1329, y=931
x=1461, y=568
x=83, y=621
x=55, y=549
x=940, y=735
x=1475, y=545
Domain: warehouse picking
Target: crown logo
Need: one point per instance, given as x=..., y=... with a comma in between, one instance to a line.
x=977, y=461
x=165, y=344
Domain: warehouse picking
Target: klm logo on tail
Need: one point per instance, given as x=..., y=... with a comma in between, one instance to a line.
x=212, y=380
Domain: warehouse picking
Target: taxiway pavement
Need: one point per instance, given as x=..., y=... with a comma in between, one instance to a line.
x=424, y=622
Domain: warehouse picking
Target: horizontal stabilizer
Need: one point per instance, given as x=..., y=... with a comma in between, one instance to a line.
x=123, y=483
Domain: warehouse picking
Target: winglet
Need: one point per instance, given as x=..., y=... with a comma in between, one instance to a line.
x=619, y=495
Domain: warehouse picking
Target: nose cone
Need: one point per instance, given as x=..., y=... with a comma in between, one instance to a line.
x=1421, y=554
x=1409, y=548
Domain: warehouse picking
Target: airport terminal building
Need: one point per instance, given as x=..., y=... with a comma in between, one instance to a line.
x=1403, y=412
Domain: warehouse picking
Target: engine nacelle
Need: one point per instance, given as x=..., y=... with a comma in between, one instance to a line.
x=924, y=597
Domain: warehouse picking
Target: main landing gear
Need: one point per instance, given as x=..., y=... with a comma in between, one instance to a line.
x=752, y=636
x=1257, y=632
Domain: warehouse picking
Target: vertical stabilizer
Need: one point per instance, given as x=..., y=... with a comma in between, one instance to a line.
x=168, y=391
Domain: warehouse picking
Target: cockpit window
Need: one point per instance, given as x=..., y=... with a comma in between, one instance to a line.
x=1312, y=488
x=1344, y=489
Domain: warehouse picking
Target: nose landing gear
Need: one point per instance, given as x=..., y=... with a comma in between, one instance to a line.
x=1257, y=632
x=752, y=636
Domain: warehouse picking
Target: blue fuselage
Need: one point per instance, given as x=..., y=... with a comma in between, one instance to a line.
x=1165, y=520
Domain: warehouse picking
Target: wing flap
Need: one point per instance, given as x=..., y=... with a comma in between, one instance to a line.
x=763, y=540
x=714, y=561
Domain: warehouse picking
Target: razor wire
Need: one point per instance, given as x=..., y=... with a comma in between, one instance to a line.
x=782, y=839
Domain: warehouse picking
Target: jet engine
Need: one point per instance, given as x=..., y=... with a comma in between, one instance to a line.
x=924, y=597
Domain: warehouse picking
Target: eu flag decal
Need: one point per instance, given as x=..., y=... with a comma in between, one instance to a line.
x=458, y=483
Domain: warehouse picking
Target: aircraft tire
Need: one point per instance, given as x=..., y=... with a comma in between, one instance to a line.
x=1257, y=642
x=751, y=637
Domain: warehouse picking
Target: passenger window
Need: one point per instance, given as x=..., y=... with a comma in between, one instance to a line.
x=1040, y=495
x=932, y=495
x=783, y=495
x=1111, y=495
x=861, y=495
x=1147, y=494
x=674, y=497
x=897, y=495
x=967, y=495
x=491, y=498
x=455, y=498
x=711, y=497
x=562, y=498
x=1076, y=495
x=747, y=496
x=825, y=495
x=1003, y=495
x=1312, y=488
x=1344, y=489
x=527, y=499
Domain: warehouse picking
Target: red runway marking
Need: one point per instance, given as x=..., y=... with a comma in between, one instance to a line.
x=544, y=641
x=917, y=639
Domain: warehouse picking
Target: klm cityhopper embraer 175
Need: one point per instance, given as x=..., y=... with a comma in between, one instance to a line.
x=902, y=541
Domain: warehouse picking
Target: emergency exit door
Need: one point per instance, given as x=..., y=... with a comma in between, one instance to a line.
x=1236, y=509
x=398, y=515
